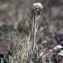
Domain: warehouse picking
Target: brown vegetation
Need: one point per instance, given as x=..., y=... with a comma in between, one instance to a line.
x=4, y=47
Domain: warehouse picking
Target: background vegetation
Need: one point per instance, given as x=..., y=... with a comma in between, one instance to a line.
x=15, y=28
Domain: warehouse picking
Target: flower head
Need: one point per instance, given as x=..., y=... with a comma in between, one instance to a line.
x=37, y=7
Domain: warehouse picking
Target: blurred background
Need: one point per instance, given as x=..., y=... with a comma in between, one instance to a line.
x=16, y=18
x=15, y=12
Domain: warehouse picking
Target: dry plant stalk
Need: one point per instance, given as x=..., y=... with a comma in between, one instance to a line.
x=21, y=55
x=37, y=8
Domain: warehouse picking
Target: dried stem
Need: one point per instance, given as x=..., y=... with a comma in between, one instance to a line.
x=34, y=32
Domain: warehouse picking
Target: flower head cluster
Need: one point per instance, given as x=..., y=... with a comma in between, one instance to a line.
x=58, y=47
x=61, y=52
x=61, y=49
x=37, y=7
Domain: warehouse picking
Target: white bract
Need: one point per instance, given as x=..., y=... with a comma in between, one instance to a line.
x=61, y=53
x=55, y=48
x=37, y=5
x=58, y=47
